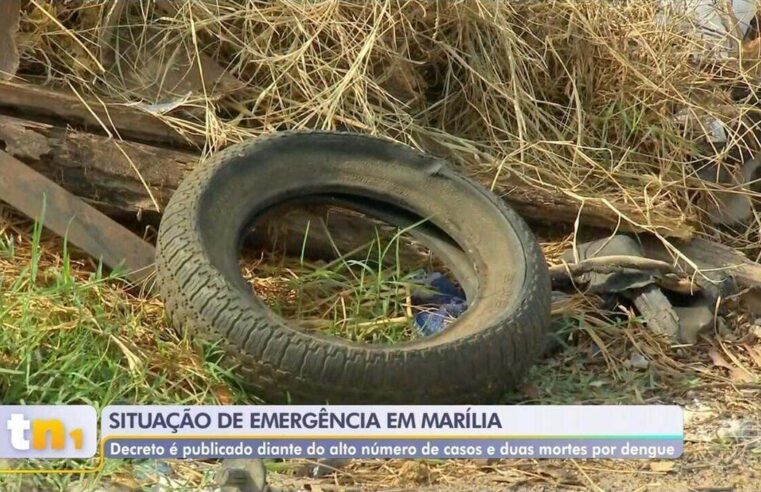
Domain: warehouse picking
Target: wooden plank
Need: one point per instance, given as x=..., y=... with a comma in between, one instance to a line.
x=127, y=122
x=66, y=215
x=716, y=261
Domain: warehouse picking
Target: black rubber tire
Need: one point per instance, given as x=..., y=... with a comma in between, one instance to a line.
x=483, y=353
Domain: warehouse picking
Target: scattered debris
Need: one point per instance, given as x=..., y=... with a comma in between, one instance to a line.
x=719, y=270
x=720, y=25
x=619, y=246
x=617, y=266
x=744, y=429
x=635, y=271
x=636, y=284
x=656, y=310
x=438, y=301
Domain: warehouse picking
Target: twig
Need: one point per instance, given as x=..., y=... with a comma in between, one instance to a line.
x=664, y=274
x=611, y=264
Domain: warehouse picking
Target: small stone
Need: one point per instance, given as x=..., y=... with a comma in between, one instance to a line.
x=694, y=321
x=638, y=361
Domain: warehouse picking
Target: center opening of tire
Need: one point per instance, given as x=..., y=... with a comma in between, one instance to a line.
x=332, y=269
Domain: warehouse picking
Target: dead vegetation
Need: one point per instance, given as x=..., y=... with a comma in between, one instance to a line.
x=585, y=113
x=575, y=99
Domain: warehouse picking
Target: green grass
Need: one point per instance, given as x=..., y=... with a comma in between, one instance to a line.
x=362, y=295
x=68, y=339
x=70, y=335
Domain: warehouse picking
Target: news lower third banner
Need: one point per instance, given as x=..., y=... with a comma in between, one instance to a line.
x=392, y=431
x=48, y=431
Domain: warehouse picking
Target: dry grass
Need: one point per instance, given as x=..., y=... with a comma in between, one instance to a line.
x=571, y=96
x=574, y=97
x=717, y=381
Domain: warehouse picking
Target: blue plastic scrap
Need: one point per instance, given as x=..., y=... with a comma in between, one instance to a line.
x=438, y=300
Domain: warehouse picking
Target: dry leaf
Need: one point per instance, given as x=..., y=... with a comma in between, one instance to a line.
x=738, y=372
x=718, y=360
x=738, y=375
x=223, y=395
x=133, y=361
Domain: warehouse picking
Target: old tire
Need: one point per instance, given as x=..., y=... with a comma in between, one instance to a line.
x=480, y=355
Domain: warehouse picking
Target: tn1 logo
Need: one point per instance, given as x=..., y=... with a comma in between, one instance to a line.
x=18, y=425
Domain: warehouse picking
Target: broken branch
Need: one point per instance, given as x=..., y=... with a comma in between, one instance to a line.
x=664, y=274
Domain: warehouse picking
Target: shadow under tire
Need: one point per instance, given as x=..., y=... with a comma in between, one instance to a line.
x=484, y=352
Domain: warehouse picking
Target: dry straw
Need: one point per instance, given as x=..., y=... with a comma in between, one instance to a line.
x=596, y=101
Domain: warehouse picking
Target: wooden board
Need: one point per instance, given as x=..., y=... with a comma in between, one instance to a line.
x=120, y=121
x=82, y=225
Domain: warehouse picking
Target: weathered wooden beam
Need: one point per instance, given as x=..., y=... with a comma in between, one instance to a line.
x=715, y=262
x=9, y=21
x=133, y=178
x=34, y=102
x=131, y=123
x=561, y=207
x=122, y=175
